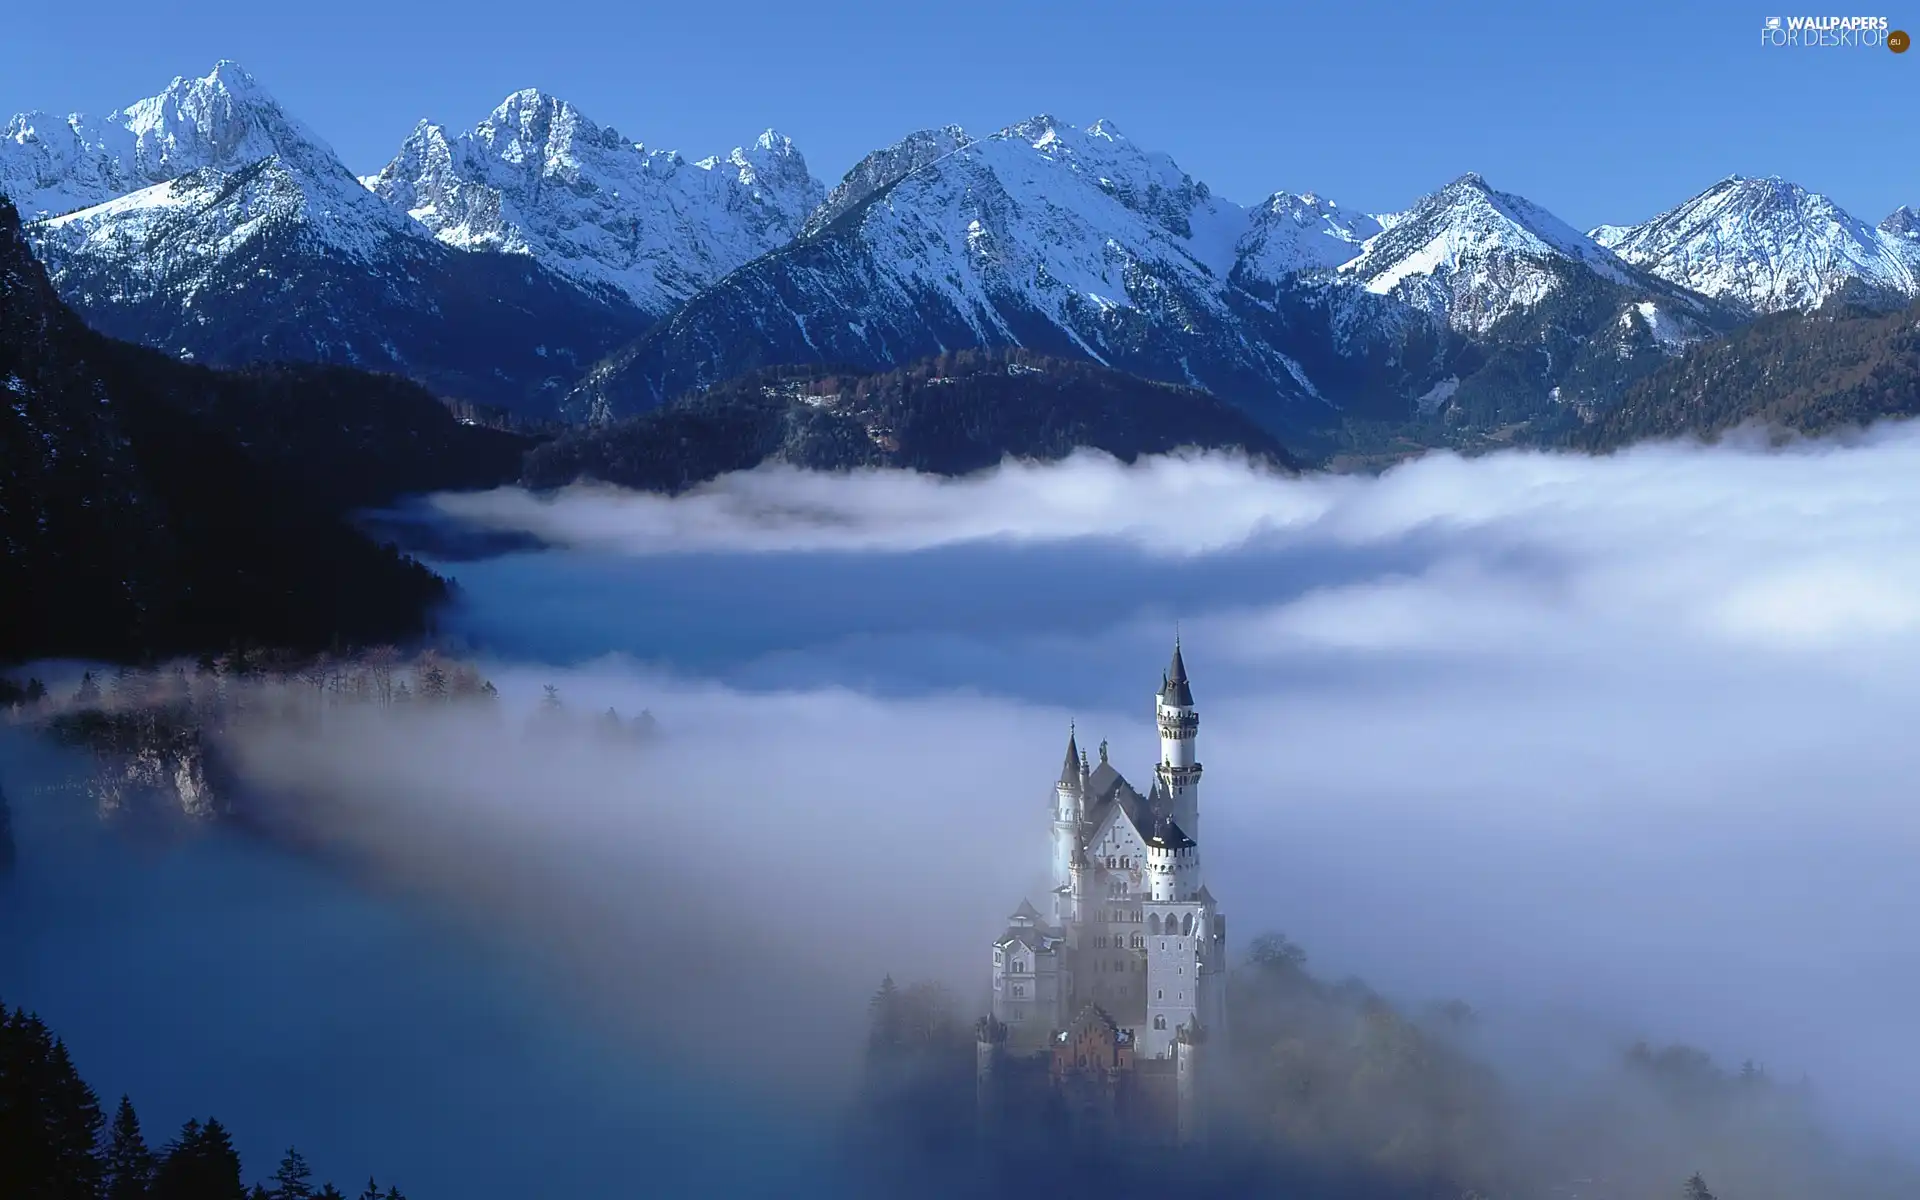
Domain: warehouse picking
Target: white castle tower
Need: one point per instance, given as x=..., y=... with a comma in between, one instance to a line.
x=1067, y=814
x=1178, y=771
x=1134, y=955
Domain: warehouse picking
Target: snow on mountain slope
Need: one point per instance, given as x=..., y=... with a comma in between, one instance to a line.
x=1292, y=233
x=538, y=178
x=1058, y=238
x=175, y=234
x=1903, y=221
x=1771, y=245
x=223, y=120
x=1470, y=256
x=884, y=168
x=260, y=245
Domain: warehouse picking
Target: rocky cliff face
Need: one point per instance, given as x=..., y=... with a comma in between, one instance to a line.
x=538, y=178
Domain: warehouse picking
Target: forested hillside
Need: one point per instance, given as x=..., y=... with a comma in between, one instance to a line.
x=1810, y=373
x=947, y=415
x=150, y=507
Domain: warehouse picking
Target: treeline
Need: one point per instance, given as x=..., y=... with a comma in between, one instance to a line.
x=1807, y=373
x=56, y=1143
x=150, y=507
x=152, y=732
x=949, y=415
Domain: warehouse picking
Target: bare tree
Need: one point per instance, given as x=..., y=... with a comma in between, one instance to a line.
x=380, y=662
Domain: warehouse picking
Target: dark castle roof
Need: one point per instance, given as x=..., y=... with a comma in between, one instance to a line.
x=1167, y=835
x=1070, y=770
x=1175, y=688
x=1106, y=788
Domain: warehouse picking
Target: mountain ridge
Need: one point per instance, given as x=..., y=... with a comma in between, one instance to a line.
x=133, y=525
x=537, y=177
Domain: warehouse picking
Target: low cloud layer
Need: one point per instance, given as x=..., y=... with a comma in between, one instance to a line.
x=1619, y=736
x=1609, y=748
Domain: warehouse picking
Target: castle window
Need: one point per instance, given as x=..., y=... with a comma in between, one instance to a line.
x=1153, y=923
x=1019, y=990
x=1159, y=1022
x=1159, y=993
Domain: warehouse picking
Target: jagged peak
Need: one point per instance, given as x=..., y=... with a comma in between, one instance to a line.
x=1902, y=220
x=772, y=139
x=524, y=103
x=230, y=76
x=1040, y=129
x=1106, y=130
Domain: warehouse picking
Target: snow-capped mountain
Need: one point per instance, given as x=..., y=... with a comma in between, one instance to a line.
x=1058, y=238
x=1471, y=256
x=223, y=120
x=259, y=244
x=1289, y=234
x=1902, y=222
x=884, y=168
x=539, y=178
x=1773, y=245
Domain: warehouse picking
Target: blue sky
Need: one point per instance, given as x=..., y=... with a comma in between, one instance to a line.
x=1602, y=113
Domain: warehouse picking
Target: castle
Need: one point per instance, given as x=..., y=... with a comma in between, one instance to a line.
x=1102, y=1005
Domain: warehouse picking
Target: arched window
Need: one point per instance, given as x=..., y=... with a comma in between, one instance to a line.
x=1186, y=924
x=1159, y=1022
x=1153, y=923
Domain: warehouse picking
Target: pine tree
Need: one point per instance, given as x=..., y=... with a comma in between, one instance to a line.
x=290, y=1182
x=49, y=1118
x=1697, y=1189
x=372, y=1192
x=89, y=694
x=129, y=1165
x=329, y=1192
x=200, y=1165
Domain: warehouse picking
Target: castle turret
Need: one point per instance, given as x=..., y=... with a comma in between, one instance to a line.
x=1178, y=770
x=1073, y=906
x=1173, y=863
x=1068, y=792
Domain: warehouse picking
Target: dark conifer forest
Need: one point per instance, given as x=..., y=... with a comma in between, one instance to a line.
x=57, y=1143
x=151, y=507
x=948, y=415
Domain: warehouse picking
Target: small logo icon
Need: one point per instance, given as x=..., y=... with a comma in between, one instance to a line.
x=1898, y=41
x=1773, y=23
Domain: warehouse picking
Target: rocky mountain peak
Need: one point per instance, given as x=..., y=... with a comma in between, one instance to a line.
x=1769, y=244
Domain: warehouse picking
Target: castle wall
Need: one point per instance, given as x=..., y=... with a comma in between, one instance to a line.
x=1175, y=979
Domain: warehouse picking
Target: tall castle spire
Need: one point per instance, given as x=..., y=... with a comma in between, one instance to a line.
x=1068, y=811
x=1178, y=772
x=1176, y=690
